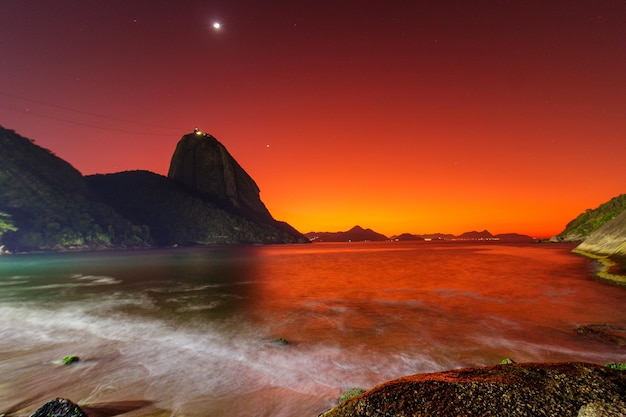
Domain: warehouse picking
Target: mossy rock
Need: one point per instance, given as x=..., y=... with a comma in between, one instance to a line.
x=515, y=390
x=352, y=392
x=615, y=335
x=70, y=359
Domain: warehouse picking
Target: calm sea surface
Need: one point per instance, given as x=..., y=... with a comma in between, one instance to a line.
x=193, y=331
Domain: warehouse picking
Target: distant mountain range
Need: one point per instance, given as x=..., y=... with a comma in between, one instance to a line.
x=600, y=231
x=358, y=234
x=46, y=204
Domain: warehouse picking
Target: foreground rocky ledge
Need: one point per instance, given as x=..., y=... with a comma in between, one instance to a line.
x=532, y=389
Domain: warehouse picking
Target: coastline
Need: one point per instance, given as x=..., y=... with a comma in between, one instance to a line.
x=525, y=389
x=611, y=266
x=515, y=389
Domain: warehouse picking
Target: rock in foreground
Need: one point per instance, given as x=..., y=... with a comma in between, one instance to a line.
x=59, y=407
x=515, y=390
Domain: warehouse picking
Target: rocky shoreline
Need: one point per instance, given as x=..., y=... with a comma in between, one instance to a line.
x=517, y=390
x=613, y=266
x=575, y=389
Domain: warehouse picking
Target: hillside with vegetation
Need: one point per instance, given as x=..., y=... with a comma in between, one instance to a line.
x=602, y=236
x=591, y=220
x=609, y=239
x=46, y=204
x=176, y=215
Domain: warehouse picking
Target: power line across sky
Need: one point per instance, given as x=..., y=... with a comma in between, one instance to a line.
x=51, y=111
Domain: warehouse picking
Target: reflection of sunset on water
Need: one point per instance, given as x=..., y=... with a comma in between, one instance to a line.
x=454, y=297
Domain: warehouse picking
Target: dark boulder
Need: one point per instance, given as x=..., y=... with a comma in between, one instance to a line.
x=59, y=407
x=513, y=390
x=615, y=335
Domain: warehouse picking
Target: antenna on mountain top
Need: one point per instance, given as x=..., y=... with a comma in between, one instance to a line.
x=198, y=132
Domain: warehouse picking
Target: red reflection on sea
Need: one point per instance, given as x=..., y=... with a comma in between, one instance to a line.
x=457, y=303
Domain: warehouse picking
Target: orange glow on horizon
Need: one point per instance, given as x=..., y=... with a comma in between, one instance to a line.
x=540, y=221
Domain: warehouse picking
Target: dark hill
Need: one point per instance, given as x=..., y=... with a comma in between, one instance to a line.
x=204, y=165
x=603, y=234
x=473, y=235
x=591, y=220
x=205, y=168
x=609, y=239
x=356, y=234
x=45, y=204
x=406, y=237
x=177, y=215
x=514, y=237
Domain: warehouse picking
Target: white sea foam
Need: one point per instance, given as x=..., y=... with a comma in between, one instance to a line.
x=79, y=281
x=206, y=306
x=91, y=280
x=177, y=365
x=184, y=363
x=173, y=287
x=12, y=283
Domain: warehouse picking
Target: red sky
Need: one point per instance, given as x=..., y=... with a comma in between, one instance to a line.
x=402, y=116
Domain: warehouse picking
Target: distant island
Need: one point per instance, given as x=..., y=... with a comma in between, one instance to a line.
x=600, y=234
x=207, y=198
x=359, y=234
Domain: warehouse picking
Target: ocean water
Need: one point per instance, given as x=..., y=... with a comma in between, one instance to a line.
x=193, y=331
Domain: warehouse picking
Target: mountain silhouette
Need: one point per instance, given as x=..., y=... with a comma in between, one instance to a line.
x=46, y=204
